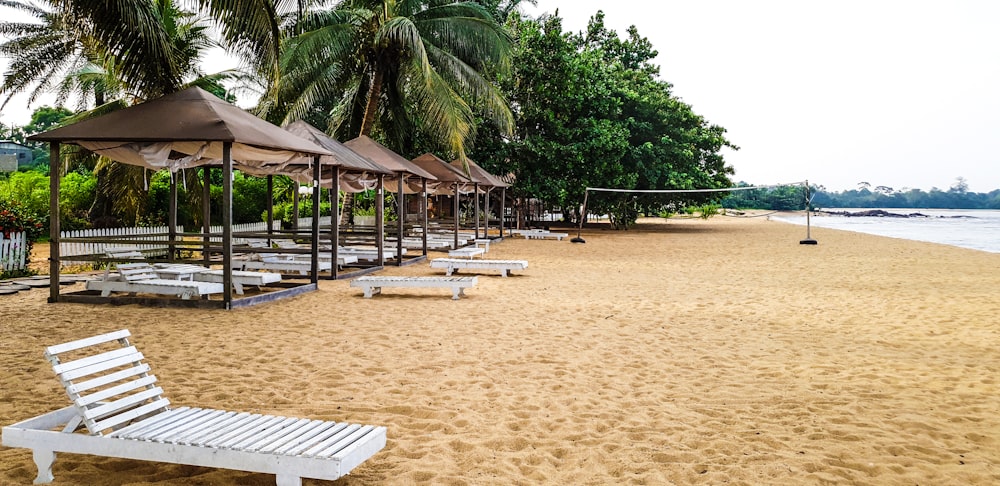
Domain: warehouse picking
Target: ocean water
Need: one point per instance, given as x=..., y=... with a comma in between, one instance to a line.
x=978, y=229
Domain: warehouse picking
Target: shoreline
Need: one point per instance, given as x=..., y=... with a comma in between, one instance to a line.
x=679, y=351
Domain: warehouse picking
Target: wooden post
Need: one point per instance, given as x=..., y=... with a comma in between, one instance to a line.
x=400, y=214
x=335, y=222
x=379, y=220
x=295, y=210
x=456, y=216
x=227, y=224
x=486, y=211
x=314, y=246
x=172, y=218
x=206, y=211
x=270, y=208
x=475, y=195
x=503, y=208
x=423, y=192
x=54, y=170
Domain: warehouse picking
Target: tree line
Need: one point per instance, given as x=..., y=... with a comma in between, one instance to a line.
x=551, y=111
x=793, y=198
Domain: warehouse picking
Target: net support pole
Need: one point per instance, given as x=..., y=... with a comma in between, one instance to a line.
x=808, y=240
x=583, y=216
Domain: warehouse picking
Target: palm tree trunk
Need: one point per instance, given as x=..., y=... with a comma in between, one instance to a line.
x=373, y=95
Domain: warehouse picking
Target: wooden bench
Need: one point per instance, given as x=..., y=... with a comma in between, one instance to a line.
x=142, y=278
x=452, y=265
x=373, y=284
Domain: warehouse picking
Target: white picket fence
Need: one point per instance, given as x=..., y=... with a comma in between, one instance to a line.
x=12, y=252
x=67, y=250
x=324, y=221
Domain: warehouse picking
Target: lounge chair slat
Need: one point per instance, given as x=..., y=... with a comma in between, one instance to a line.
x=357, y=441
x=115, y=390
x=293, y=438
x=216, y=429
x=116, y=420
x=308, y=440
x=264, y=426
x=86, y=342
x=105, y=379
x=121, y=404
x=100, y=367
x=315, y=443
x=330, y=440
x=266, y=435
x=333, y=448
x=277, y=439
x=137, y=429
x=235, y=431
x=92, y=360
x=228, y=427
x=176, y=430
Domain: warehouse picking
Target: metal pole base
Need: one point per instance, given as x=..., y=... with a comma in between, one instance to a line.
x=808, y=241
x=578, y=240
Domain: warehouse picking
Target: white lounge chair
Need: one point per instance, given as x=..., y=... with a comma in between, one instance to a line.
x=373, y=284
x=469, y=252
x=121, y=405
x=452, y=265
x=142, y=278
x=281, y=265
x=542, y=234
x=198, y=273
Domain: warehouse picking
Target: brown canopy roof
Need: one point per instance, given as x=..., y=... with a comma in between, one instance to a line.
x=343, y=156
x=385, y=157
x=444, y=172
x=478, y=174
x=183, y=129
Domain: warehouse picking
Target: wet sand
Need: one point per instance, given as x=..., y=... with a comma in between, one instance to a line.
x=678, y=352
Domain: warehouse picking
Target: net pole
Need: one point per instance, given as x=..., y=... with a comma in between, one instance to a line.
x=808, y=240
x=583, y=216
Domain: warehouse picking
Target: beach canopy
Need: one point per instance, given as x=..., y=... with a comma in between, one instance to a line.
x=478, y=174
x=384, y=157
x=357, y=172
x=445, y=173
x=186, y=129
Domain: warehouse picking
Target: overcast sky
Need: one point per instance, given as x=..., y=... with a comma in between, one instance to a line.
x=900, y=93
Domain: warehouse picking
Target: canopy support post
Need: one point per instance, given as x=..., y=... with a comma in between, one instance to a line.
x=227, y=224
x=54, y=172
x=314, y=241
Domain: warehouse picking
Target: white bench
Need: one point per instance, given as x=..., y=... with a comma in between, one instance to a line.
x=467, y=252
x=452, y=265
x=142, y=278
x=542, y=234
x=373, y=284
x=483, y=243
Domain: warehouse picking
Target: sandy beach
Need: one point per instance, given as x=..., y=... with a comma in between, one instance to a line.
x=678, y=352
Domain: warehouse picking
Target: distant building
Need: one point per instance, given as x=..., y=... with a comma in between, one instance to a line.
x=21, y=155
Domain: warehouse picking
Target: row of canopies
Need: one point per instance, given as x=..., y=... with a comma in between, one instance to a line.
x=193, y=128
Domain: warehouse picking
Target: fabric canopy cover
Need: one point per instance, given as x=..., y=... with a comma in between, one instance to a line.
x=384, y=157
x=478, y=174
x=446, y=174
x=186, y=129
x=357, y=173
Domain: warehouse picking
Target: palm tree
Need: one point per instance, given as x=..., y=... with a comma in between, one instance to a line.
x=394, y=66
x=76, y=56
